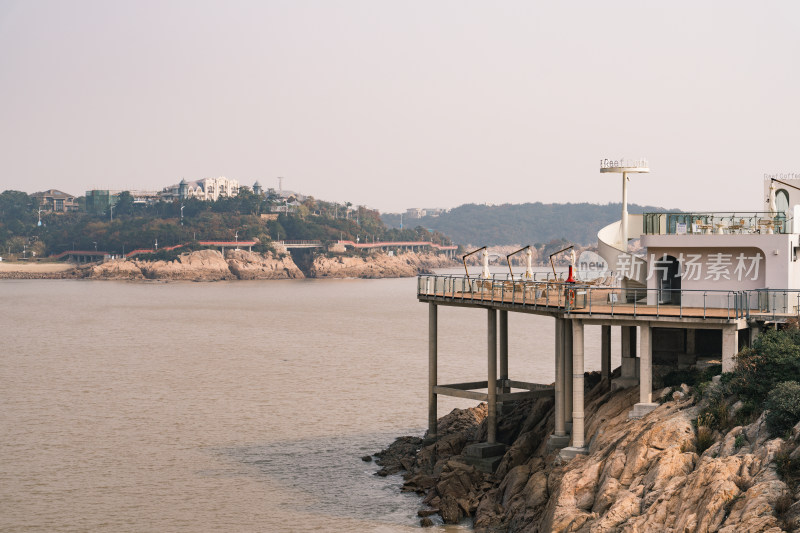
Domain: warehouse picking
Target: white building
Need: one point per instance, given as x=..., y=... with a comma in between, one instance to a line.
x=702, y=286
x=204, y=189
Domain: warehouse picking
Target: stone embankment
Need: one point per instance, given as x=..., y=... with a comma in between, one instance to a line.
x=639, y=476
x=210, y=265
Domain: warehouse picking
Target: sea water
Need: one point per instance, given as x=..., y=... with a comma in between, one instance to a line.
x=229, y=406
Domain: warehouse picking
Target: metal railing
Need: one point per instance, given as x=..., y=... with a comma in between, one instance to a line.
x=746, y=222
x=560, y=296
x=773, y=303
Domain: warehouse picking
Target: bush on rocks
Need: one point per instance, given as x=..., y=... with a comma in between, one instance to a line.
x=774, y=358
x=783, y=405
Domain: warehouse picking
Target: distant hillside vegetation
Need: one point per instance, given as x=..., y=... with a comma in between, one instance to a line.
x=530, y=223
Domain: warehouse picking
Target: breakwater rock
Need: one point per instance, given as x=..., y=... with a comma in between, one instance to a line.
x=639, y=476
x=378, y=265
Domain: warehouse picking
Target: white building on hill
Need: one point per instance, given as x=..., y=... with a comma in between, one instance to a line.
x=204, y=189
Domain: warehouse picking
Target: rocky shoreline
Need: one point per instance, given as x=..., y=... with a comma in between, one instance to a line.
x=210, y=265
x=639, y=476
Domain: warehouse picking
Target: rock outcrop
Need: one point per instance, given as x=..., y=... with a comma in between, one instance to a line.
x=117, y=270
x=378, y=265
x=639, y=476
x=202, y=265
x=251, y=265
x=210, y=265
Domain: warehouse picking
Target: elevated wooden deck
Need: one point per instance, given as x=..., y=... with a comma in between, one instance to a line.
x=563, y=299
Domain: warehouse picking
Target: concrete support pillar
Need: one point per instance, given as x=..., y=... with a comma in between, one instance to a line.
x=645, y=404
x=646, y=366
x=492, y=378
x=755, y=331
x=577, y=384
x=503, y=342
x=691, y=341
x=605, y=352
x=629, y=361
x=568, y=362
x=560, y=429
x=730, y=347
x=628, y=341
x=433, y=349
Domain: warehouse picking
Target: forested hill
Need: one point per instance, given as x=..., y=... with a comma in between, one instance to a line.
x=522, y=224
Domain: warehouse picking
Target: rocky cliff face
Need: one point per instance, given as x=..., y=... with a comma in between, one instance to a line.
x=640, y=475
x=203, y=265
x=378, y=265
x=210, y=265
x=250, y=265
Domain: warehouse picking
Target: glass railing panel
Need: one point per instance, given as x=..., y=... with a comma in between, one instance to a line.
x=748, y=222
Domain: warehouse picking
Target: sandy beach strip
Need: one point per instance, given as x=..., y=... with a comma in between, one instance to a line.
x=35, y=268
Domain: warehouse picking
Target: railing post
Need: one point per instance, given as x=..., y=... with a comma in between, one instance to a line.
x=612, y=301
x=513, y=292
x=747, y=308
x=728, y=304
x=773, y=306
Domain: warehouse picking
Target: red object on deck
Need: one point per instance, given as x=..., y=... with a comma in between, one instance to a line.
x=570, y=279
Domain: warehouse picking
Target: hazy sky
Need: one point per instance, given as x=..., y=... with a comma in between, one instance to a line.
x=397, y=104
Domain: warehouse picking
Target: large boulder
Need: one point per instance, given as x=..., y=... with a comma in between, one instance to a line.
x=251, y=265
x=202, y=265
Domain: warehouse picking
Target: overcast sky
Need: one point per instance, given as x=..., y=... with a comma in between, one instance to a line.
x=397, y=104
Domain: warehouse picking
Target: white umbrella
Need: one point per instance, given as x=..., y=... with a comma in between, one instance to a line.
x=773, y=208
x=485, y=274
x=529, y=258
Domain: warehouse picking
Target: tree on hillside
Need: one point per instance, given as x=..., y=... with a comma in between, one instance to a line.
x=124, y=205
x=524, y=223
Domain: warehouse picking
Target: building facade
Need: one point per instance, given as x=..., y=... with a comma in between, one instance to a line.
x=99, y=201
x=56, y=201
x=204, y=189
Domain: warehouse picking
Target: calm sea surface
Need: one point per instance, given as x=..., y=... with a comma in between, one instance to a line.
x=241, y=406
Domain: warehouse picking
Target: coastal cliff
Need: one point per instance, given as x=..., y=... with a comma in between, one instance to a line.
x=652, y=474
x=203, y=265
x=378, y=265
x=210, y=265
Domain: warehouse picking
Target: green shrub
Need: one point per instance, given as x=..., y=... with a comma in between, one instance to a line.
x=783, y=404
x=774, y=358
x=691, y=376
